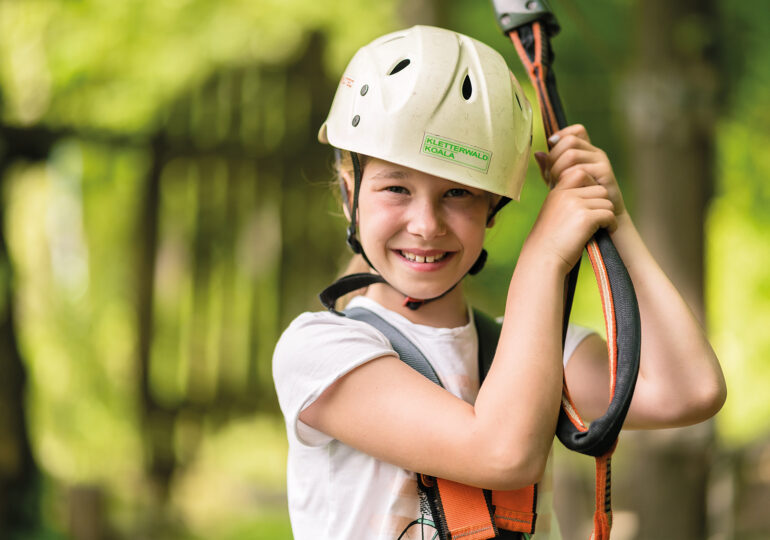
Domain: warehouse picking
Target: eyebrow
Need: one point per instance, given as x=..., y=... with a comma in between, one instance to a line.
x=391, y=174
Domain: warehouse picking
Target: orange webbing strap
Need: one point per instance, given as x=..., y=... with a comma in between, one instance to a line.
x=466, y=512
x=608, y=307
x=603, y=501
x=515, y=510
x=537, y=72
x=603, y=512
x=470, y=513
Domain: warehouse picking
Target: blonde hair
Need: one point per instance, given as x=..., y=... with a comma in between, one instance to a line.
x=344, y=168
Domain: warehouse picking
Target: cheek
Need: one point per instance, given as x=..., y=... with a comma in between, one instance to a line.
x=380, y=222
x=473, y=216
x=472, y=225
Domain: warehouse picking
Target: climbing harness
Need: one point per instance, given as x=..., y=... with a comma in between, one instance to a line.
x=530, y=24
x=460, y=511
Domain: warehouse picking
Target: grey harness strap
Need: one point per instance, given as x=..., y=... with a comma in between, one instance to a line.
x=406, y=350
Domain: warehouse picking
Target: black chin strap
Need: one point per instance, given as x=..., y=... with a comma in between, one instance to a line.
x=351, y=239
x=502, y=202
x=344, y=285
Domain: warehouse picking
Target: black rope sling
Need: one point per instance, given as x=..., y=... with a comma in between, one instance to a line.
x=530, y=24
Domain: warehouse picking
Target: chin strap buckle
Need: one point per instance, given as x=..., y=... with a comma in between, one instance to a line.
x=413, y=303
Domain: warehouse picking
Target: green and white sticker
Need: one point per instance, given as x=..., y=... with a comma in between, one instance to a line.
x=456, y=152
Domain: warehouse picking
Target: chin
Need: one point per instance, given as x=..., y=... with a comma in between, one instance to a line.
x=413, y=290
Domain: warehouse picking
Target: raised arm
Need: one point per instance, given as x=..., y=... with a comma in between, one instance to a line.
x=680, y=381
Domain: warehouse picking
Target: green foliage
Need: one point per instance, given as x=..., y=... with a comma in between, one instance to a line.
x=113, y=65
x=739, y=282
x=110, y=75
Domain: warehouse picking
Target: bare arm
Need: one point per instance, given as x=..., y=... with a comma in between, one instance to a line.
x=389, y=411
x=680, y=380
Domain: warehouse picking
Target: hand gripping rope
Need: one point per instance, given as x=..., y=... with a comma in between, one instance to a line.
x=530, y=24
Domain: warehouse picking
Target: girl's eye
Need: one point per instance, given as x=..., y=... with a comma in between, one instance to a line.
x=457, y=192
x=397, y=189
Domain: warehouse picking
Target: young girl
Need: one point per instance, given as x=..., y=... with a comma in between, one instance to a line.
x=434, y=136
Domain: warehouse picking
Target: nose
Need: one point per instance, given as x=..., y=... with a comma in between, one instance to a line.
x=426, y=219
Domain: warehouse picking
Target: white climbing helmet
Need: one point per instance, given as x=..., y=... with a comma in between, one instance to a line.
x=436, y=101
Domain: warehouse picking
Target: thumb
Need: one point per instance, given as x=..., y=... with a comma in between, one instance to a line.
x=540, y=157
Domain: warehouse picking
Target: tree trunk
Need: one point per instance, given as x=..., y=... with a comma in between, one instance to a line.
x=671, y=97
x=19, y=475
x=157, y=422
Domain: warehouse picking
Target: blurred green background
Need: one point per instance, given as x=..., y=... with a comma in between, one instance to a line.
x=166, y=212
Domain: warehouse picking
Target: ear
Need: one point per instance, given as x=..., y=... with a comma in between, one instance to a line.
x=346, y=192
x=493, y=202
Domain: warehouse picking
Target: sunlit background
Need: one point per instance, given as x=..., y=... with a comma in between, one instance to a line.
x=166, y=211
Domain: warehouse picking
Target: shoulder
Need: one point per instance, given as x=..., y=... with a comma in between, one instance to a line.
x=322, y=345
x=315, y=351
x=324, y=328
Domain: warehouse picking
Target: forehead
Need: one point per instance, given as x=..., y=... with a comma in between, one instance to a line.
x=380, y=170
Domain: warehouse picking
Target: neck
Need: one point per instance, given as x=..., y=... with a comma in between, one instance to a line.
x=449, y=311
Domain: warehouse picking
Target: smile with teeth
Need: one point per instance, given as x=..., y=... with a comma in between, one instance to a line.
x=423, y=259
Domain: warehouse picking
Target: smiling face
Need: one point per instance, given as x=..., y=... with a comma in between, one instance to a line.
x=421, y=232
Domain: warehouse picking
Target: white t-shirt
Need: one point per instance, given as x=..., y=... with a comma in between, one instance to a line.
x=335, y=491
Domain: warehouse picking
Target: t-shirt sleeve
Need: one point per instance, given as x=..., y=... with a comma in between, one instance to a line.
x=314, y=352
x=575, y=335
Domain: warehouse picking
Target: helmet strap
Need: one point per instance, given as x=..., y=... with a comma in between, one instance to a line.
x=351, y=239
x=479, y=264
x=502, y=202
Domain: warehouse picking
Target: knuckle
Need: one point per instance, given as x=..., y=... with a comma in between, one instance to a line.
x=585, y=221
x=582, y=132
x=577, y=208
x=571, y=155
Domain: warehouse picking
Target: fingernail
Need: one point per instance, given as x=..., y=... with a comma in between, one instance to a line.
x=553, y=139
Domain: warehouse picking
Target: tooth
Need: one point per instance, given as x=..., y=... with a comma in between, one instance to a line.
x=420, y=259
x=429, y=259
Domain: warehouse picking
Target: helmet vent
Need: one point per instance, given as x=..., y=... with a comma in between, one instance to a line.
x=398, y=67
x=518, y=101
x=467, y=87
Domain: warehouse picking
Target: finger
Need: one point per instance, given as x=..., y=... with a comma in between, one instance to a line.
x=595, y=219
x=597, y=203
x=575, y=129
x=607, y=220
x=598, y=170
x=570, y=142
x=574, y=178
x=574, y=157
